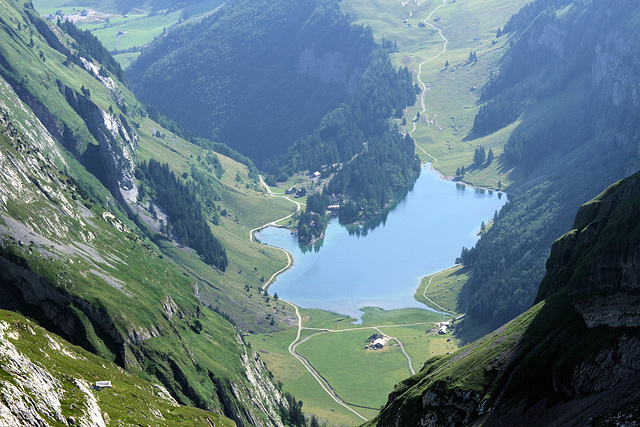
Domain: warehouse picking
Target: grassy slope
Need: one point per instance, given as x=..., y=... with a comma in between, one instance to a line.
x=124, y=276
x=441, y=290
x=240, y=199
x=147, y=278
x=131, y=401
x=248, y=207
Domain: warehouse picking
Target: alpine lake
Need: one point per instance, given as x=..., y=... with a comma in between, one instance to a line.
x=380, y=264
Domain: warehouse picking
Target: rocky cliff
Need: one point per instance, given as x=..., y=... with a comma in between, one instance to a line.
x=332, y=66
x=56, y=385
x=599, y=269
x=117, y=141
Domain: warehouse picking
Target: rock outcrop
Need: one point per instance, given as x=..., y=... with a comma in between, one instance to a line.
x=599, y=260
x=332, y=67
x=117, y=141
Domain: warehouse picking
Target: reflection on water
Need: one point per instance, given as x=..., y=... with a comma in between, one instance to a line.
x=380, y=263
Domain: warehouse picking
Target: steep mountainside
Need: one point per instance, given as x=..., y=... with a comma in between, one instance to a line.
x=569, y=82
x=45, y=380
x=572, y=359
x=86, y=247
x=322, y=99
x=257, y=74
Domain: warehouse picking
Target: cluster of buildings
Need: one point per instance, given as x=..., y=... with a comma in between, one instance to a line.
x=376, y=342
x=443, y=327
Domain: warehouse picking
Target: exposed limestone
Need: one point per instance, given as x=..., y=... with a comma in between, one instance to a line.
x=34, y=395
x=264, y=395
x=331, y=67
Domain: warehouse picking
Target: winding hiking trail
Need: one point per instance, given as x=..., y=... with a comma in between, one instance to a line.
x=422, y=84
x=274, y=223
x=293, y=346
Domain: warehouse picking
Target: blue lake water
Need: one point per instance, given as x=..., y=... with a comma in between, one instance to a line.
x=382, y=267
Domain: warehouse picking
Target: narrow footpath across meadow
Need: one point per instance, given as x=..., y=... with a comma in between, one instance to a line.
x=424, y=294
x=422, y=84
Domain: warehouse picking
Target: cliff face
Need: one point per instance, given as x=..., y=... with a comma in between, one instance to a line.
x=574, y=358
x=116, y=139
x=601, y=270
x=332, y=66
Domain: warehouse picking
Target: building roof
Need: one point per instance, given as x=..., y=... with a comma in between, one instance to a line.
x=379, y=341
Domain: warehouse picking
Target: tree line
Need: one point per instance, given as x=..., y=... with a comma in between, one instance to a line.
x=184, y=211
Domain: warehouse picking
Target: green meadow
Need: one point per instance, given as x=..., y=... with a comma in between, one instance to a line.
x=131, y=31
x=335, y=346
x=441, y=291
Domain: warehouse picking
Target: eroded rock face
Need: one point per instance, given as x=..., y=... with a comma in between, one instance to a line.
x=444, y=406
x=35, y=395
x=118, y=143
x=613, y=365
x=331, y=67
x=599, y=260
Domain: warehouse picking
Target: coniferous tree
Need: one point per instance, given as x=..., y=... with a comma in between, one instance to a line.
x=184, y=211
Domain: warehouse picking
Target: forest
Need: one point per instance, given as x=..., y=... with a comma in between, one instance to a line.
x=245, y=75
x=185, y=217
x=313, y=221
x=323, y=102
x=377, y=160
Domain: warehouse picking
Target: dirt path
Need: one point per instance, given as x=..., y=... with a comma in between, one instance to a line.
x=296, y=342
x=424, y=294
x=323, y=383
x=292, y=347
x=274, y=223
x=375, y=328
x=413, y=372
x=422, y=84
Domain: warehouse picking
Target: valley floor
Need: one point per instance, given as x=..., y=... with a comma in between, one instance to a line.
x=323, y=360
